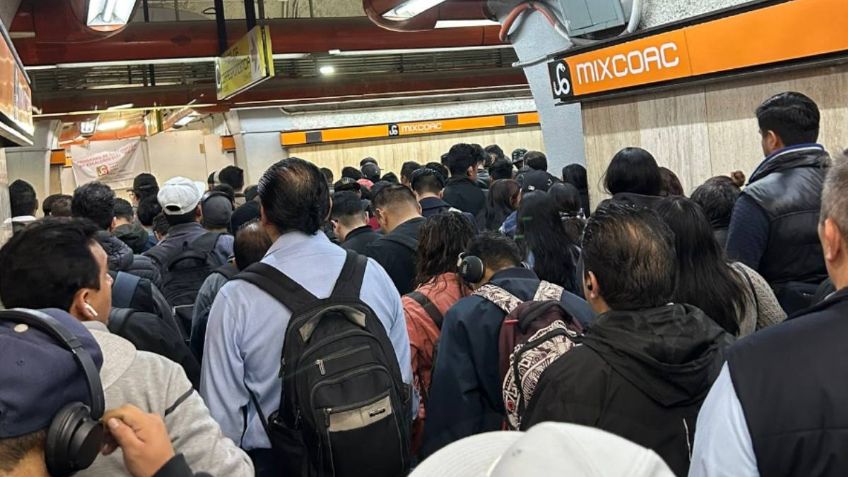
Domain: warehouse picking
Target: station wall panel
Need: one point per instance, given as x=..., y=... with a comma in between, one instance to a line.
x=703, y=131
x=392, y=153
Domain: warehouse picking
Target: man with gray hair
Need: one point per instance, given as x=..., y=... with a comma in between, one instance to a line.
x=795, y=370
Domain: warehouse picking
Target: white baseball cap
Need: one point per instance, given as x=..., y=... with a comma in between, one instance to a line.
x=549, y=448
x=180, y=196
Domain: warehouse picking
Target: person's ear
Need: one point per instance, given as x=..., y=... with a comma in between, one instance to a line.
x=832, y=240
x=590, y=283
x=114, y=224
x=329, y=210
x=198, y=212
x=80, y=308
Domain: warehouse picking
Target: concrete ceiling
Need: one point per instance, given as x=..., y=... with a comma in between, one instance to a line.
x=273, y=8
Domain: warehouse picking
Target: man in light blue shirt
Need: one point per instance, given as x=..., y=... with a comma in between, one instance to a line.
x=246, y=328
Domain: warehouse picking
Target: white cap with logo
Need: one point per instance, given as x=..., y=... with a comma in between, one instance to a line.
x=179, y=196
x=549, y=448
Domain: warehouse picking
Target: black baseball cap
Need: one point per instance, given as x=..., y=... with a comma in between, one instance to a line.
x=533, y=180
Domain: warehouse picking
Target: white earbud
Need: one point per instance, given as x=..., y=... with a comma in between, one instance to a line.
x=91, y=310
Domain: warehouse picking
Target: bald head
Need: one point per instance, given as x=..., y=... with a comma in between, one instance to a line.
x=251, y=244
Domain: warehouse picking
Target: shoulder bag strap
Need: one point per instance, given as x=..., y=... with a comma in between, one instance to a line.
x=262, y=418
x=279, y=286
x=349, y=283
x=750, y=284
x=428, y=306
x=501, y=298
x=123, y=289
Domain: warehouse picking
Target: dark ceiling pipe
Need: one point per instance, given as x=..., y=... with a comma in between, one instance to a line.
x=221, y=26
x=303, y=90
x=450, y=10
x=160, y=40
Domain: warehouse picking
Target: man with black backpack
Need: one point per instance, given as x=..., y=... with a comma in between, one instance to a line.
x=466, y=396
x=189, y=253
x=336, y=400
x=399, y=214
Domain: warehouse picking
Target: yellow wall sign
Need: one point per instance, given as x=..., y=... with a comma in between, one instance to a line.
x=418, y=128
x=247, y=63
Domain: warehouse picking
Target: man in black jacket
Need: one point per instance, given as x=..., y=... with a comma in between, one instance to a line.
x=465, y=395
x=773, y=226
x=645, y=365
x=350, y=222
x=400, y=218
x=777, y=408
x=461, y=190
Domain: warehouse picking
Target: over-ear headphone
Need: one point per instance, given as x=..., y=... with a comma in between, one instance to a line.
x=75, y=435
x=215, y=193
x=471, y=268
x=426, y=171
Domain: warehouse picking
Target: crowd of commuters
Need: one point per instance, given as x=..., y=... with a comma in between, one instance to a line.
x=473, y=316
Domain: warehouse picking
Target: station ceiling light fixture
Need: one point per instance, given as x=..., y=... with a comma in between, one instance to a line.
x=327, y=70
x=108, y=15
x=112, y=125
x=410, y=8
x=465, y=23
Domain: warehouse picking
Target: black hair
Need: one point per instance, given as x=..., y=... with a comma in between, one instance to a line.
x=393, y=194
x=251, y=193
x=22, y=198
x=438, y=167
x=351, y=172
x=371, y=171
x=144, y=186
x=670, y=183
x=569, y=205
x=460, y=158
x=426, y=180
x=631, y=252
x=211, y=179
x=14, y=449
x=47, y=205
x=123, y=210
x=540, y=231
x=251, y=244
x=186, y=218
x=494, y=150
x=497, y=251
x=536, y=160
x=328, y=174
x=232, y=176
x=227, y=190
x=717, y=197
x=161, y=225
x=633, y=170
x=61, y=207
x=94, y=201
x=441, y=239
x=347, y=206
x=295, y=196
x=500, y=203
x=46, y=264
x=575, y=174
x=792, y=116
x=704, y=279
x=501, y=169
x=390, y=177
x=408, y=168
x=148, y=208
x=480, y=155
x=368, y=160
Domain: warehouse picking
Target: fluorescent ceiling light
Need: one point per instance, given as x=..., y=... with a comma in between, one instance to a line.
x=412, y=51
x=465, y=23
x=290, y=56
x=109, y=13
x=410, y=8
x=185, y=120
x=112, y=125
x=157, y=61
x=120, y=106
x=327, y=70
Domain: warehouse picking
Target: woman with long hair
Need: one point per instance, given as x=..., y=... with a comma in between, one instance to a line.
x=438, y=287
x=733, y=295
x=546, y=245
x=575, y=174
x=504, y=196
x=567, y=199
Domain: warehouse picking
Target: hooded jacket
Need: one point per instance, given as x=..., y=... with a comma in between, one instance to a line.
x=642, y=375
x=157, y=385
x=134, y=235
x=120, y=258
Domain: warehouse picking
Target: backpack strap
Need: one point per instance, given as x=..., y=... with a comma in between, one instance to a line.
x=548, y=291
x=277, y=284
x=118, y=319
x=501, y=298
x=206, y=242
x=428, y=306
x=349, y=283
x=228, y=270
x=405, y=240
x=123, y=289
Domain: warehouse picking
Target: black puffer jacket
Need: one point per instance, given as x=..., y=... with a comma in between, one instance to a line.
x=133, y=235
x=642, y=375
x=121, y=259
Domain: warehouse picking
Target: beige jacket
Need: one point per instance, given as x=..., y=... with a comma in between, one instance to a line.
x=158, y=385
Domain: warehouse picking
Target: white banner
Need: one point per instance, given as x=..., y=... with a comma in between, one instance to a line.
x=115, y=163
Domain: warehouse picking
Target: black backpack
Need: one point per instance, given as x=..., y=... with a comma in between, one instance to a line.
x=344, y=409
x=184, y=272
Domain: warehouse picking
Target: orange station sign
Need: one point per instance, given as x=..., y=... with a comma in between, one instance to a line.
x=744, y=41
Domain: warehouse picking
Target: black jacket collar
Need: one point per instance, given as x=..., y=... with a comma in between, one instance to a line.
x=791, y=158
